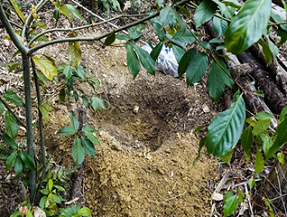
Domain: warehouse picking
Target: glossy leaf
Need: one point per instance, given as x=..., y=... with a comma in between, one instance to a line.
x=147, y=62
x=259, y=162
x=132, y=60
x=9, y=141
x=18, y=166
x=283, y=35
x=67, y=131
x=11, y=96
x=11, y=124
x=225, y=129
x=78, y=151
x=88, y=146
x=281, y=139
x=247, y=139
x=219, y=25
x=11, y=160
x=204, y=12
x=267, y=51
x=230, y=204
x=75, y=53
x=156, y=51
x=46, y=67
x=184, y=62
x=74, y=121
x=181, y=38
x=248, y=25
x=27, y=160
x=97, y=103
x=110, y=39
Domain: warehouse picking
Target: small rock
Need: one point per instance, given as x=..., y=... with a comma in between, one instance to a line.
x=136, y=109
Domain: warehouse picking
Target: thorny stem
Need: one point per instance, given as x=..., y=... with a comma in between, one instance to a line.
x=15, y=116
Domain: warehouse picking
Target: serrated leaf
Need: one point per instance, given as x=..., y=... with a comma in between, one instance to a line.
x=248, y=25
x=259, y=162
x=247, y=139
x=92, y=138
x=281, y=139
x=74, y=121
x=11, y=96
x=147, y=62
x=46, y=67
x=204, y=12
x=196, y=68
x=75, y=53
x=132, y=60
x=261, y=126
x=18, y=166
x=67, y=131
x=110, y=39
x=230, y=205
x=225, y=129
x=167, y=16
x=11, y=160
x=281, y=158
x=88, y=146
x=11, y=124
x=184, y=62
x=78, y=151
x=27, y=160
x=97, y=103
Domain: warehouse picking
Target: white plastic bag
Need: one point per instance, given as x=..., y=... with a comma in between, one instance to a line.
x=166, y=61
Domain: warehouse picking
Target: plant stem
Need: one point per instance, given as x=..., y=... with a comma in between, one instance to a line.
x=28, y=108
x=43, y=155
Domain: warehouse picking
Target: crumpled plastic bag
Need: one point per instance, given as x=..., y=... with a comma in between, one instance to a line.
x=166, y=61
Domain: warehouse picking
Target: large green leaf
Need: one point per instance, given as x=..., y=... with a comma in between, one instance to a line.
x=27, y=160
x=182, y=37
x=281, y=139
x=230, y=204
x=92, y=138
x=225, y=129
x=88, y=146
x=219, y=25
x=146, y=60
x=78, y=151
x=74, y=121
x=167, y=16
x=248, y=25
x=11, y=96
x=18, y=166
x=204, y=12
x=46, y=67
x=132, y=60
x=67, y=131
x=11, y=124
x=196, y=68
x=184, y=62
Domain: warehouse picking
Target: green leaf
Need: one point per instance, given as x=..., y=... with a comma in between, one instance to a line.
x=46, y=67
x=240, y=196
x=267, y=142
x=219, y=25
x=57, y=199
x=11, y=160
x=18, y=166
x=283, y=114
x=167, y=16
x=44, y=113
x=199, y=128
x=180, y=20
x=11, y=96
x=196, y=68
x=204, y=12
x=251, y=183
x=78, y=151
x=147, y=62
x=74, y=122
x=259, y=162
x=56, y=15
x=88, y=146
x=178, y=52
x=28, y=161
x=266, y=50
x=81, y=73
x=283, y=35
x=121, y=36
x=281, y=158
x=225, y=129
x=281, y=139
x=184, y=10
x=85, y=101
x=1, y=108
x=92, y=138
x=182, y=37
x=97, y=103
x=85, y=211
x=17, y=10
x=227, y=157
x=247, y=139
x=160, y=31
x=248, y=25
x=132, y=60
x=263, y=116
x=67, y=72
x=76, y=13
x=110, y=39
x=60, y=188
x=134, y=33
x=267, y=203
x=13, y=66
x=261, y=126
x=232, y=3
x=67, y=131
x=184, y=62
x=156, y=51
x=230, y=204
x=204, y=44
x=217, y=79
x=50, y=185
x=11, y=124
x=75, y=53
x=88, y=128
x=9, y=141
